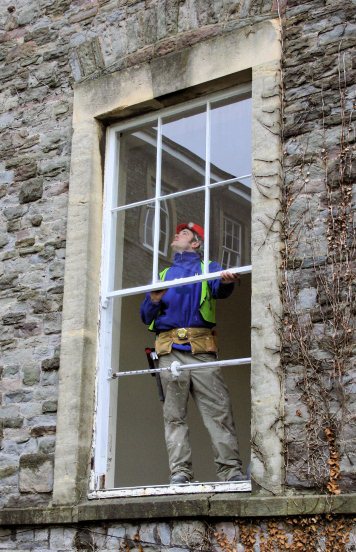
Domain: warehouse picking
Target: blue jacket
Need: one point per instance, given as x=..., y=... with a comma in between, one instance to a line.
x=179, y=307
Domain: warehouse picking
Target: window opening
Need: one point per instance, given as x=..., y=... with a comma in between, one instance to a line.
x=189, y=146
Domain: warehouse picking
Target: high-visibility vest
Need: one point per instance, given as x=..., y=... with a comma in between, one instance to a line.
x=207, y=307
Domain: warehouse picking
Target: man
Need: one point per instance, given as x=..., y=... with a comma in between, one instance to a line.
x=183, y=318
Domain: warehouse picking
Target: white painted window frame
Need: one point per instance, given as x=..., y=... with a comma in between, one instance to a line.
x=102, y=452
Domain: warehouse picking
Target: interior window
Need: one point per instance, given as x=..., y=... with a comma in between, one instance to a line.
x=165, y=228
x=231, y=247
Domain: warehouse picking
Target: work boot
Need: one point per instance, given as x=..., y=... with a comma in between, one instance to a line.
x=178, y=479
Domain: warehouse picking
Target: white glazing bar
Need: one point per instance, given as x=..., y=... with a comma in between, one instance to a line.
x=185, y=367
x=183, y=192
x=157, y=218
x=207, y=191
x=177, y=282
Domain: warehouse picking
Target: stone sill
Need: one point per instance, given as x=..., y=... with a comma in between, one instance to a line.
x=197, y=506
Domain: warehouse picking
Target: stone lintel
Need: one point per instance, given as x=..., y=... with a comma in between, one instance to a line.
x=208, y=506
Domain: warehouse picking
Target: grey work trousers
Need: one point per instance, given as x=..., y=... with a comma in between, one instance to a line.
x=212, y=399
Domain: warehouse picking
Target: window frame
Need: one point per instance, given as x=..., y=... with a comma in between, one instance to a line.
x=104, y=451
x=201, y=68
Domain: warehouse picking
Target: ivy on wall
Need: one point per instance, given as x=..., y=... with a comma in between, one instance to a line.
x=317, y=292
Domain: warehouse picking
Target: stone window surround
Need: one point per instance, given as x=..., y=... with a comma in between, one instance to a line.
x=200, y=69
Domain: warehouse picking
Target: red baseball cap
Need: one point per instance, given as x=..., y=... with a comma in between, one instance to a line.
x=193, y=227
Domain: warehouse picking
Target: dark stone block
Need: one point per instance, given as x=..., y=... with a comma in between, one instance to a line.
x=13, y=318
x=25, y=170
x=39, y=431
x=13, y=423
x=90, y=57
x=50, y=364
x=36, y=220
x=49, y=406
x=7, y=280
x=31, y=191
x=25, y=242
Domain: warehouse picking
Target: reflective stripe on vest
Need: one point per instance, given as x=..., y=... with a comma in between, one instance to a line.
x=207, y=302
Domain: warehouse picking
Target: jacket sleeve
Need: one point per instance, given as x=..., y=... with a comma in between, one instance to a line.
x=149, y=310
x=218, y=289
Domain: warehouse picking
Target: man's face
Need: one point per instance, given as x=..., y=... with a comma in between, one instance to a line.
x=184, y=241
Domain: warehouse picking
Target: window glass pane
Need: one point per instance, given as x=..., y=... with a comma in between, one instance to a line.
x=230, y=225
x=225, y=263
x=137, y=163
x=230, y=151
x=133, y=261
x=148, y=227
x=187, y=208
x=141, y=457
x=183, y=149
x=133, y=237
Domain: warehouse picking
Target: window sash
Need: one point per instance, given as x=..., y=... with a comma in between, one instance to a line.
x=112, y=181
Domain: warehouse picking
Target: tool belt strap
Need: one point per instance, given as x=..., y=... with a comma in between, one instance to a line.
x=185, y=334
x=201, y=340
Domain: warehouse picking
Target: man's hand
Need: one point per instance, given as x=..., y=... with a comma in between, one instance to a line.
x=229, y=278
x=157, y=295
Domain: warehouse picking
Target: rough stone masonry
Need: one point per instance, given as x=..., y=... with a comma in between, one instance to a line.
x=45, y=47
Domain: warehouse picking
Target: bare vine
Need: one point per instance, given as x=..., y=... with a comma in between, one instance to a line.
x=295, y=533
x=318, y=339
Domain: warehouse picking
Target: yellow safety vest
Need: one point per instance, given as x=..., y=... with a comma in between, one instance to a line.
x=207, y=302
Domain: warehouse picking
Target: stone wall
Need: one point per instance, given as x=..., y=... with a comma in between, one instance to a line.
x=45, y=47
x=312, y=534
x=48, y=45
x=317, y=293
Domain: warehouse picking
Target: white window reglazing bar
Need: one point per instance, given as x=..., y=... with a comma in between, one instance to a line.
x=189, y=191
x=176, y=367
x=207, y=192
x=177, y=282
x=157, y=219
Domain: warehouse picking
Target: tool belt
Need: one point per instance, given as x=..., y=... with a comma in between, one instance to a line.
x=201, y=340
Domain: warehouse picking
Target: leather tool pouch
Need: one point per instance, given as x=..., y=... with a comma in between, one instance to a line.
x=201, y=340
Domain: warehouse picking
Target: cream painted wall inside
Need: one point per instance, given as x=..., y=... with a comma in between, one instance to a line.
x=141, y=457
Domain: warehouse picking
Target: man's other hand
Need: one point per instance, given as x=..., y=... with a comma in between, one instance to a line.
x=157, y=295
x=229, y=278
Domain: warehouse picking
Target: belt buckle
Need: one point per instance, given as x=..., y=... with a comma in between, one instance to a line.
x=182, y=333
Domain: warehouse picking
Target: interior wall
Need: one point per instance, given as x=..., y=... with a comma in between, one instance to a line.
x=141, y=457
